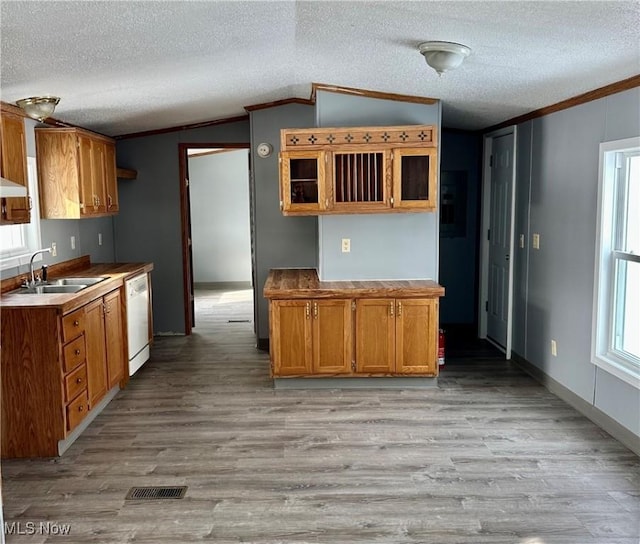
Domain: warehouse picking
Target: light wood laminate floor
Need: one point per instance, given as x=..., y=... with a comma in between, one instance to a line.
x=488, y=457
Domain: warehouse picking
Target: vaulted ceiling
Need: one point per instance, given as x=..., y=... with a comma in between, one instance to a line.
x=128, y=66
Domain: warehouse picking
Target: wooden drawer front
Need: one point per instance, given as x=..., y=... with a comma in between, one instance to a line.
x=74, y=354
x=77, y=410
x=75, y=382
x=73, y=325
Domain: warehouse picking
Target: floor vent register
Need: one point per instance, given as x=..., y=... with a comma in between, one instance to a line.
x=155, y=493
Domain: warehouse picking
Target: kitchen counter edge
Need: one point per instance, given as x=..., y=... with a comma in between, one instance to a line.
x=300, y=283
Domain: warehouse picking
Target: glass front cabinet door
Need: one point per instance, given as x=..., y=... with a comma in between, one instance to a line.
x=415, y=178
x=302, y=175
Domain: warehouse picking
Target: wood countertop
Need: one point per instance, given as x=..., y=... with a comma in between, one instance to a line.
x=116, y=274
x=304, y=283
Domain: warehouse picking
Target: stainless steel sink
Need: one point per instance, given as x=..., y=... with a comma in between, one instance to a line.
x=48, y=289
x=76, y=281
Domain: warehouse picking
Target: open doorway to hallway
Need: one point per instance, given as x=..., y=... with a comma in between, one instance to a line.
x=218, y=240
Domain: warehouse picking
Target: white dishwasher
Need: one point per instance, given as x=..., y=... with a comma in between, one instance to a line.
x=137, y=321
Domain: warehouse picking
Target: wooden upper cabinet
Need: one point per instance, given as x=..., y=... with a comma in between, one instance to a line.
x=358, y=170
x=415, y=173
x=76, y=173
x=300, y=175
x=13, y=166
x=111, y=179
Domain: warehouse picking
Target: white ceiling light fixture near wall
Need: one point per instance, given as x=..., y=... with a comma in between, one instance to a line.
x=444, y=56
x=38, y=107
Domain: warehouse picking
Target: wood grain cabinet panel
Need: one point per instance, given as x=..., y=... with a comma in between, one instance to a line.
x=75, y=382
x=332, y=336
x=311, y=337
x=97, y=380
x=416, y=331
x=358, y=170
x=76, y=173
x=291, y=344
x=13, y=166
x=375, y=336
x=114, y=334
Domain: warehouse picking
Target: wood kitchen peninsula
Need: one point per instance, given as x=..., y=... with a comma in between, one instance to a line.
x=351, y=329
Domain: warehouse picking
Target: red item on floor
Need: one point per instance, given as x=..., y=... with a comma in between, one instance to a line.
x=441, y=348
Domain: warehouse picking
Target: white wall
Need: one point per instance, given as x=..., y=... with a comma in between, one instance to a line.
x=219, y=187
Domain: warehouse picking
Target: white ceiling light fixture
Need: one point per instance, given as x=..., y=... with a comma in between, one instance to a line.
x=38, y=107
x=444, y=56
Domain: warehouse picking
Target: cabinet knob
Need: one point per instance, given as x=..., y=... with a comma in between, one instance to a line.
x=109, y=201
x=391, y=308
x=81, y=408
x=76, y=323
x=399, y=309
x=315, y=310
x=308, y=309
x=77, y=352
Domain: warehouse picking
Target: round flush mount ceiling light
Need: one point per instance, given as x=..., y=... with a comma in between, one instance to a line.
x=444, y=56
x=38, y=107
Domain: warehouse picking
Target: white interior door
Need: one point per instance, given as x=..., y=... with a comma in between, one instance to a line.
x=500, y=239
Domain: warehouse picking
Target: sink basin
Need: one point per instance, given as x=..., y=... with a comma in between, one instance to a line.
x=76, y=281
x=48, y=289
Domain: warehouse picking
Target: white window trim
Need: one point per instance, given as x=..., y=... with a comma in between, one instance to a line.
x=601, y=355
x=22, y=256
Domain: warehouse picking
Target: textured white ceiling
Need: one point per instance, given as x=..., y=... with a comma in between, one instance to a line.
x=130, y=66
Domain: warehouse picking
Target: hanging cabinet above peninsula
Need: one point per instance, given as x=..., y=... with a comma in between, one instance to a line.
x=76, y=173
x=358, y=170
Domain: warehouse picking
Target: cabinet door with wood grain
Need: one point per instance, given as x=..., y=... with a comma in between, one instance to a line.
x=375, y=335
x=110, y=178
x=416, y=336
x=97, y=378
x=13, y=166
x=291, y=344
x=114, y=334
x=332, y=336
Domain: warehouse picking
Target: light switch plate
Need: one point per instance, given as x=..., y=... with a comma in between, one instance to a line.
x=522, y=241
x=346, y=245
x=536, y=240
x=73, y=242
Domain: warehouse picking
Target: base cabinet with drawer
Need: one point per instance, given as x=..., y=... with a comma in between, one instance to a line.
x=56, y=369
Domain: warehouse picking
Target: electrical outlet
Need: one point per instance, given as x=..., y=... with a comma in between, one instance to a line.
x=536, y=240
x=346, y=245
x=99, y=238
x=522, y=241
x=554, y=348
x=54, y=249
x=73, y=242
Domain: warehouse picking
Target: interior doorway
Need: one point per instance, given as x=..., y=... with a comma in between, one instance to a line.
x=217, y=228
x=498, y=208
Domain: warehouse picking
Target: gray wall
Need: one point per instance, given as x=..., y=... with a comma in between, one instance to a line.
x=461, y=152
x=391, y=246
x=220, y=230
x=556, y=196
x=280, y=242
x=60, y=231
x=148, y=227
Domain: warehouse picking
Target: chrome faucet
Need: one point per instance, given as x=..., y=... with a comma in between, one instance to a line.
x=33, y=279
